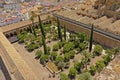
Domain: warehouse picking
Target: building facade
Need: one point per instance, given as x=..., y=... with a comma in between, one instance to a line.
x=110, y=8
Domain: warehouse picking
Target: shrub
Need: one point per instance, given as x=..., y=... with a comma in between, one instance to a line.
x=98, y=50
x=63, y=76
x=100, y=65
x=72, y=72
x=67, y=47
x=44, y=59
x=85, y=76
x=22, y=36
x=92, y=69
x=66, y=56
x=106, y=59
x=53, y=55
x=32, y=46
x=82, y=46
x=55, y=47
x=72, y=54
x=38, y=54
x=59, y=59
x=77, y=66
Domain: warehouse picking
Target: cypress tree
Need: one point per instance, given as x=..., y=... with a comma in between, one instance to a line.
x=32, y=19
x=43, y=35
x=41, y=27
x=44, y=45
x=91, y=39
x=59, y=30
x=64, y=32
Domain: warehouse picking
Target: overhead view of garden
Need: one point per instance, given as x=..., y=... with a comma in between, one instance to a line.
x=66, y=54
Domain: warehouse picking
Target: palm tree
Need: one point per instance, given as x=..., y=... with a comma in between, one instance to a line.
x=32, y=19
x=91, y=39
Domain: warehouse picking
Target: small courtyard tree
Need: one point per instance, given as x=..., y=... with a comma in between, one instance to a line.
x=72, y=72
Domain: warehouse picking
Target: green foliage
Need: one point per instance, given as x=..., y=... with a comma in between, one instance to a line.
x=100, y=65
x=72, y=37
x=116, y=50
x=41, y=27
x=93, y=69
x=98, y=49
x=67, y=47
x=72, y=72
x=55, y=47
x=22, y=36
x=59, y=30
x=60, y=65
x=53, y=55
x=72, y=54
x=59, y=59
x=82, y=37
x=44, y=45
x=87, y=55
x=48, y=50
x=38, y=54
x=64, y=33
x=32, y=46
x=61, y=43
x=32, y=19
x=106, y=59
x=63, y=76
x=109, y=52
x=85, y=76
x=77, y=66
x=91, y=39
x=82, y=46
x=67, y=57
x=44, y=59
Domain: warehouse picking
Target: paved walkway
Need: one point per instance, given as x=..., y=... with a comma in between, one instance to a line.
x=18, y=61
x=41, y=72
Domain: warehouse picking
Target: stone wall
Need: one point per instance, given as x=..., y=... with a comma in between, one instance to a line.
x=16, y=65
x=99, y=38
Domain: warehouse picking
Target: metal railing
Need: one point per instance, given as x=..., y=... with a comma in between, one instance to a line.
x=117, y=37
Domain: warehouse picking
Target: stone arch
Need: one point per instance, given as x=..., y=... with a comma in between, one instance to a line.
x=24, y=29
x=21, y=30
x=7, y=35
x=11, y=34
x=15, y=33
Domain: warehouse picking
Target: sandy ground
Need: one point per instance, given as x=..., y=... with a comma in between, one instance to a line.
x=41, y=72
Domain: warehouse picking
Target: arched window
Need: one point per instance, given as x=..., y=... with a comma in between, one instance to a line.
x=15, y=33
x=11, y=34
x=7, y=36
